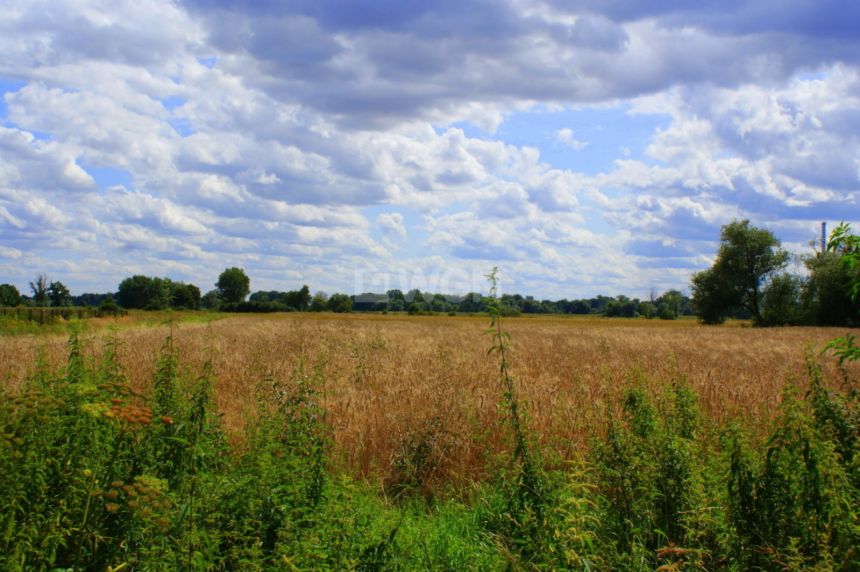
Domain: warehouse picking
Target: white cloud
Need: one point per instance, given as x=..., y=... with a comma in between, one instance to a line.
x=566, y=137
x=392, y=223
x=119, y=145
x=13, y=253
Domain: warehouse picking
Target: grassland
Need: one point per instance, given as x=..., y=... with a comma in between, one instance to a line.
x=660, y=443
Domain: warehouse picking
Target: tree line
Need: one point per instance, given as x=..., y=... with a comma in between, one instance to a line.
x=232, y=293
x=749, y=280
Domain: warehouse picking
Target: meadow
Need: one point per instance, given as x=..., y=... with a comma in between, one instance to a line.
x=640, y=439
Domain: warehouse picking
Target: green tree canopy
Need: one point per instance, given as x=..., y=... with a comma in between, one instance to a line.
x=847, y=245
x=826, y=296
x=747, y=258
x=151, y=293
x=670, y=305
x=211, y=300
x=40, y=290
x=233, y=285
x=185, y=296
x=299, y=299
x=59, y=294
x=339, y=303
x=9, y=295
x=144, y=292
x=108, y=304
x=781, y=301
x=319, y=302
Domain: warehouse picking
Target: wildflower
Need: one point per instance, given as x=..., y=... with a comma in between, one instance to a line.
x=111, y=507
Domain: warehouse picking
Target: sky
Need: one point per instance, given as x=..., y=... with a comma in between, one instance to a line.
x=584, y=147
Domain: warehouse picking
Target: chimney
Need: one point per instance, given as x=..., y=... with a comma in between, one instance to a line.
x=823, y=236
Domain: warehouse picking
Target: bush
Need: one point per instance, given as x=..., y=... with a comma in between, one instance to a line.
x=255, y=307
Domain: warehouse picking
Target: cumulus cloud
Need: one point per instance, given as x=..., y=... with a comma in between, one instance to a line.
x=303, y=140
x=566, y=137
x=392, y=223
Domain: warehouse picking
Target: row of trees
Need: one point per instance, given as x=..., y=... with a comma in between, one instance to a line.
x=749, y=279
x=669, y=305
x=45, y=293
x=229, y=295
x=233, y=287
x=150, y=293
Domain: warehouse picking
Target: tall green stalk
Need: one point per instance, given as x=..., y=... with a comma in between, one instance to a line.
x=528, y=481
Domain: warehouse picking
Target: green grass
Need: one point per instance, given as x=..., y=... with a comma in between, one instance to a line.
x=12, y=326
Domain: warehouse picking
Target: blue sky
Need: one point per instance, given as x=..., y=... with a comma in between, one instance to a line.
x=583, y=147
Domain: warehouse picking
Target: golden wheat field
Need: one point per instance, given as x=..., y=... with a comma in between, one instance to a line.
x=390, y=380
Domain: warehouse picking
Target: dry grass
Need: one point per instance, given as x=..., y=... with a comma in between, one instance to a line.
x=392, y=376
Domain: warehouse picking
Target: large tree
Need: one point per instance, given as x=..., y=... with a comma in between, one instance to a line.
x=186, y=296
x=340, y=303
x=40, y=290
x=827, y=294
x=847, y=245
x=747, y=258
x=299, y=299
x=59, y=294
x=9, y=295
x=233, y=285
x=781, y=301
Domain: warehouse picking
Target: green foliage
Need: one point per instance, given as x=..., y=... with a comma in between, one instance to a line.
x=670, y=305
x=140, y=292
x=746, y=259
x=798, y=502
x=9, y=295
x=255, y=307
x=184, y=296
x=339, y=303
x=108, y=304
x=847, y=245
x=713, y=297
x=144, y=292
x=157, y=489
x=523, y=480
x=844, y=348
x=781, y=304
x=41, y=295
x=211, y=300
x=647, y=471
x=299, y=299
x=826, y=295
x=233, y=285
x=319, y=302
x=59, y=294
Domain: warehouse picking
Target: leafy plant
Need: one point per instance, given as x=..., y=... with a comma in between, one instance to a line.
x=848, y=247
